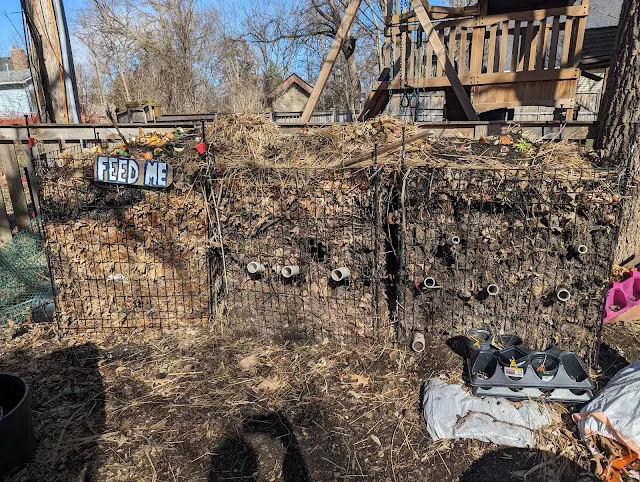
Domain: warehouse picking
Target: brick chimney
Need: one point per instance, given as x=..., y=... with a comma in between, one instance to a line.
x=19, y=58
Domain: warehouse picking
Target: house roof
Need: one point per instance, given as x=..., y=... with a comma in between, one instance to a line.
x=600, y=34
x=597, y=47
x=14, y=77
x=289, y=82
x=604, y=13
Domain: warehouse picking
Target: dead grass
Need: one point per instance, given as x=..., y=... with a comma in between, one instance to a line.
x=252, y=141
x=176, y=406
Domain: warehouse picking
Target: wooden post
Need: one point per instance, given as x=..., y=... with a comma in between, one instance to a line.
x=16, y=190
x=582, y=24
x=439, y=50
x=5, y=228
x=477, y=50
x=341, y=34
x=28, y=154
x=51, y=79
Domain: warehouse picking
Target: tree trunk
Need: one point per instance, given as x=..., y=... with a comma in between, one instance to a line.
x=349, y=51
x=619, y=114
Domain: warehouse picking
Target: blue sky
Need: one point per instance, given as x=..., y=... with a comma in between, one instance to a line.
x=9, y=36
x=12, y=10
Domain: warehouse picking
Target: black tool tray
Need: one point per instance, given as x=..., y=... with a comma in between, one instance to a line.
x=571, y=375
x=562, y=395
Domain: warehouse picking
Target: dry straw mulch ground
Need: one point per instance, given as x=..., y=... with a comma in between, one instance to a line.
x=189, y=406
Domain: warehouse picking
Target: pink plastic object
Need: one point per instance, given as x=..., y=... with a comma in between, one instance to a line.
x=623, y=295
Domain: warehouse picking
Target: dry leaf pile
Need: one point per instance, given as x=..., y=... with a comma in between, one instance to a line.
x=320, y=223
x=126, y=258
x=519, y=233
x=130, y=258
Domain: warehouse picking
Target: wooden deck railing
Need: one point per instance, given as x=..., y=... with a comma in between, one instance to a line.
x=515, y=47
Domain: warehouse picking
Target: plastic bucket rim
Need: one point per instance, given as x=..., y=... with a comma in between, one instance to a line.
x=24, y=395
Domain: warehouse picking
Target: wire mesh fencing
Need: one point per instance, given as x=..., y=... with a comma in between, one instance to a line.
x=519, y=251
x=304, y=254
x=122, y=258
x=349, y=254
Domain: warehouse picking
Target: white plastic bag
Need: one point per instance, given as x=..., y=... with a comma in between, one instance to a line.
x=615, y=412
x=452, y=412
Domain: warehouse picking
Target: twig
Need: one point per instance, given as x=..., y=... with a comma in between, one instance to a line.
x=155, y=476
x=114, y=123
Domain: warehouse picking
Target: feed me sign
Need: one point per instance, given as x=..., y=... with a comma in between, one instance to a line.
x=133, y=172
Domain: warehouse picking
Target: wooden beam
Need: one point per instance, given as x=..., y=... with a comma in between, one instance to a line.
x=439, y=50
x=491, y=55
x=542, y=45
x=582, y=24
x=5, y=228
x=566, y=42
x=485, y=79
x=504, y=43
x=526, y=16
x=16, y=190
x=553, y=49
x=341, y=34
x=477, y=51
x=28, y=154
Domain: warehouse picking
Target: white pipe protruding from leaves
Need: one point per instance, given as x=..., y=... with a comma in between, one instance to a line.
x=429, y=283
x=418, y=343
x=493, y=290
x=340, y=274
x=290, y=271
x=453, y=241
x=255, y=268
x=581, y=249
x=563, y=295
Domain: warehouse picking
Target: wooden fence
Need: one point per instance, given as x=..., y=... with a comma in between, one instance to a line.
x=18, y=202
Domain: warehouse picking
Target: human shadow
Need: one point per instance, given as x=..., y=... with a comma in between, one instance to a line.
x=514, y=464
x=68, y=411
x=235, y=458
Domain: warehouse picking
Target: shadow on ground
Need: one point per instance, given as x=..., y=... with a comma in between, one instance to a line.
x=522, y=464
x=238, y=457
x=68, y=410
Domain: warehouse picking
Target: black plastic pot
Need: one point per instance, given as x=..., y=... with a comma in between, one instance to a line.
x=545, y=365
x=478, y=339
x=17, y=439
x=500, y=342
x=515, y=354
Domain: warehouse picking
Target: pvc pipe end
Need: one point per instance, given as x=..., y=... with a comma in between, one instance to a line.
x=563, y=295
x=418, y=344
x=582, y=249
x=340, y=274
x=429, y=283
x=254, y=268
x=290, y=271
x=493, y=290
x=455, y=240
